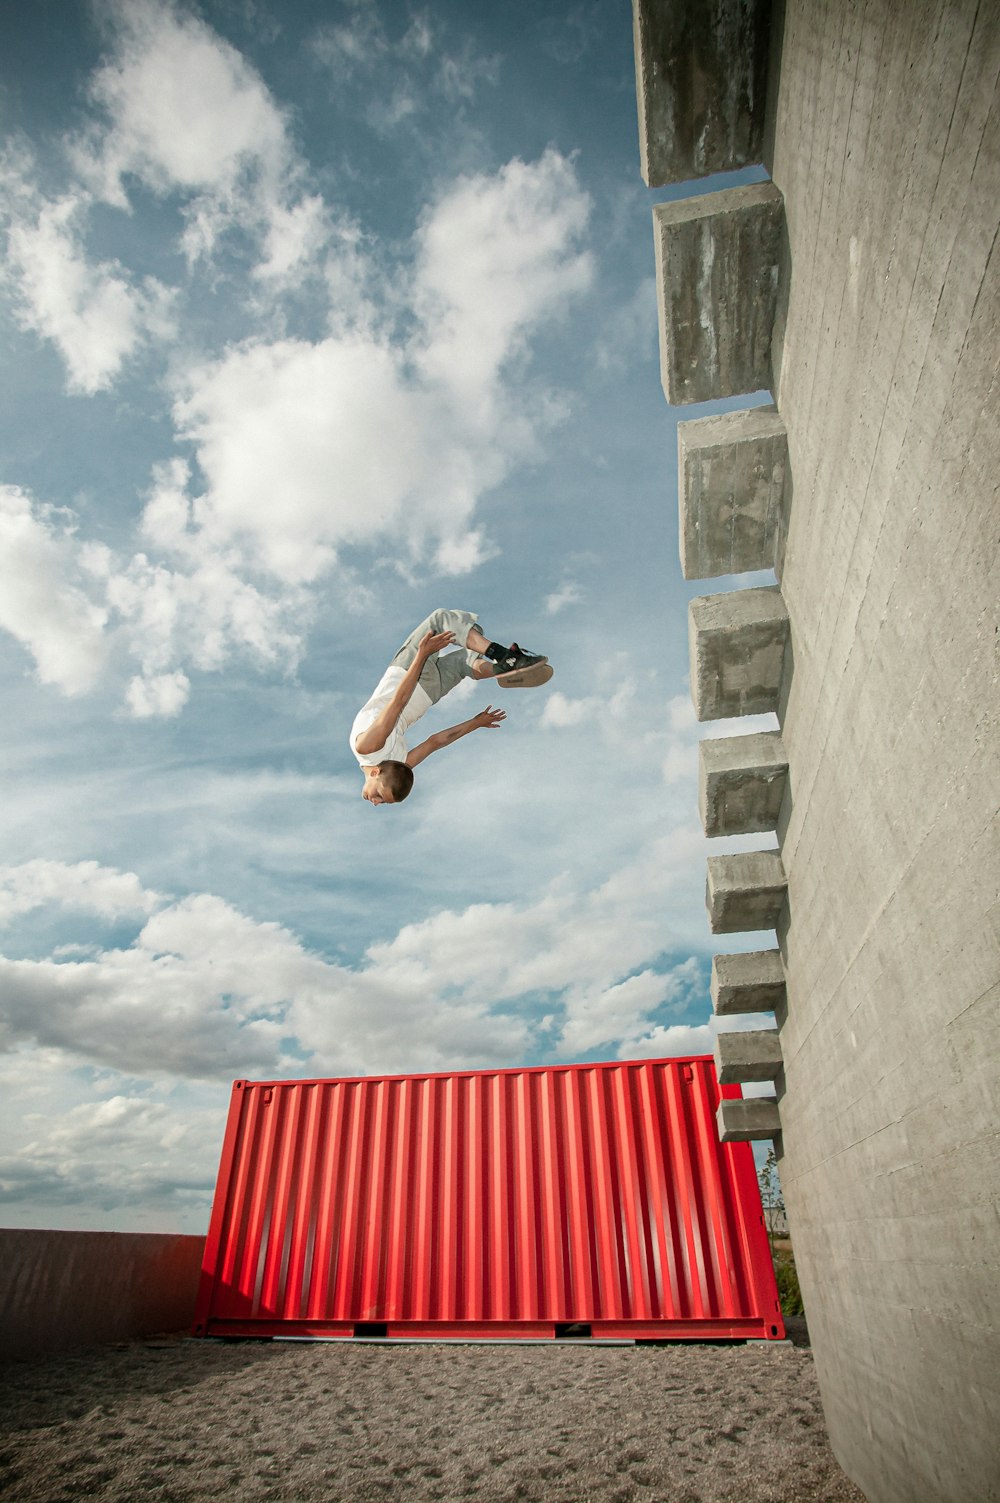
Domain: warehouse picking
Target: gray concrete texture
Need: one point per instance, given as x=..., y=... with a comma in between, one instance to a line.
x=750, y=1055
x=741, y=783
x=751, y=982
x=737, y=645
x=751, y=1121
x=717, y=261
x=730, y=486
x=66, y=1289
x=887, y=152
x=745, y=892
x=700, y=83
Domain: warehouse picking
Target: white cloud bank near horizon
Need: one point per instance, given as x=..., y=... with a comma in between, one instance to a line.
x=204, y=993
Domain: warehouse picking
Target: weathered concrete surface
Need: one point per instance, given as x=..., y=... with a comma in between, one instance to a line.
x=701, y=71
x=736, y=646
x=751, y=982
x=730, y=485
x=64, y=1289
x=717, y=259
x=741, y=783
x=747, y=1055
x=887, y=151
x=749, y=1121
x=745, y=892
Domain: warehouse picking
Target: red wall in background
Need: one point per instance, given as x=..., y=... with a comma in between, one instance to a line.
x=488, y=1203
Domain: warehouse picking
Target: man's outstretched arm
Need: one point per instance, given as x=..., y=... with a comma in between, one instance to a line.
x=378, y=733
x=487, y=719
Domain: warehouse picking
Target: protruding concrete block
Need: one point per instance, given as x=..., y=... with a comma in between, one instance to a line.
x=747, y=1056
x=745, y=891
x=731, y=480
x=753, y=982
x=737, y=651
x=701, y=84
x=741, y=782
x=748, y=1121
x=717, y=262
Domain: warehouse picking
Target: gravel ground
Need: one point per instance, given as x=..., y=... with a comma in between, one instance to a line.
x=175, y=1418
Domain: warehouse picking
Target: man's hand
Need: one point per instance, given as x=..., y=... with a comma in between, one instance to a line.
x=489, y=718
x=432, y=642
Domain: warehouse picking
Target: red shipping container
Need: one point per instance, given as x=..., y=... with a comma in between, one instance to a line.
x=488, y=1203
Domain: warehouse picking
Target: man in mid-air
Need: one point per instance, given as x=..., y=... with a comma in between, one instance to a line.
x=417, y=678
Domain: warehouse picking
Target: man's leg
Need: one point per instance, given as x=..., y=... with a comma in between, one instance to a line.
x=482, y=658
x=441, y=674
x=459, y=622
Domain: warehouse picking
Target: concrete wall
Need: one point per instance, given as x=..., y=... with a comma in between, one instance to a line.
x=64, y=1289
x=887, y=152
x=883, y=124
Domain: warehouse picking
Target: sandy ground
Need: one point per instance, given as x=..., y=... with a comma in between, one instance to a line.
x=179, y=1419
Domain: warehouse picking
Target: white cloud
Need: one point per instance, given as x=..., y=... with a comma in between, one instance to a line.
x=117, y=1153
x=185, y=114
x=159, y=694
x=666, y=1041
x=568, y=593
x=497, y=255
x=185, y=110
x=294, y=238
x=84, y=885
x=561, y=712
x=42, y=603
x=95, y=313
x=205, y=991
x=76, y=606
x=306, y=422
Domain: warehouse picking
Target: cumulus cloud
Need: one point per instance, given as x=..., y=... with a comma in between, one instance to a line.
x=83, y=885
x=184, y=108
x=496, y=257
x=115, y=1153
x=184, y=113
x=568, y=593
x=44, y=602
x=95, y=313
x=496, y=254
x=75, y=606
x=205, y=991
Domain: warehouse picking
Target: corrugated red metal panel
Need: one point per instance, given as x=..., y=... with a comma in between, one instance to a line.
x=499, y=1203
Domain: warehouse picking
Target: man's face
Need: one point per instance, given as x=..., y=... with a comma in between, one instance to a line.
x=375, y=793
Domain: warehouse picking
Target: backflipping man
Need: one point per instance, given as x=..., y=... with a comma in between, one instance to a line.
x=417, y=678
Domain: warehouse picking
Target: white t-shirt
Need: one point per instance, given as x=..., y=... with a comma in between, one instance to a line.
x=395, y=748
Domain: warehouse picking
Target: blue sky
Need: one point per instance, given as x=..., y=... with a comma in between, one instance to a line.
x=317, y=316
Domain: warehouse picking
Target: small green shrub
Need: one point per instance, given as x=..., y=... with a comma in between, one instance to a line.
x=789, y=1292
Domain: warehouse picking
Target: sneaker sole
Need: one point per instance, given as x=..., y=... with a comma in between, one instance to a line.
x=525, y=678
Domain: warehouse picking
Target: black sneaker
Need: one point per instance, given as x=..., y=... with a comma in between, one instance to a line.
x=513, y=658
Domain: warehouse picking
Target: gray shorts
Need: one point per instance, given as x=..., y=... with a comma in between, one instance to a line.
x=442, y=671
